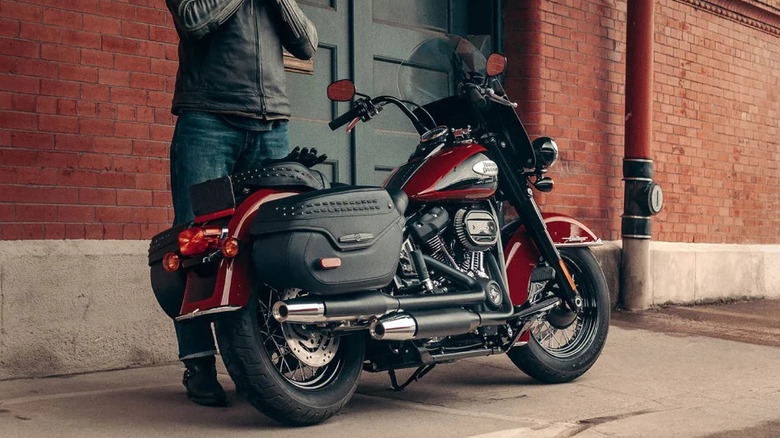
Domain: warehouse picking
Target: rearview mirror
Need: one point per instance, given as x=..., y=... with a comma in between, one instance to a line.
x=341, y=91
x=496, y=64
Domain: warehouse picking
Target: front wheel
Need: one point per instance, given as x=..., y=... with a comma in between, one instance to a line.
x=296, y=374
x=556, y=355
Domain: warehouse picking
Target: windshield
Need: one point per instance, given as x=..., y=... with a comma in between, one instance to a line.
x=434, y=68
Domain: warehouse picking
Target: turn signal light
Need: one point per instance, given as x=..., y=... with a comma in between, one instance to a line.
x=171, y=262
x=330, y=263
x=194, y=241
x=230, y=247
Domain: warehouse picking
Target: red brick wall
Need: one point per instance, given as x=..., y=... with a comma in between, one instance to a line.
x=85, y=121
x=85, y=125
x=717, y=107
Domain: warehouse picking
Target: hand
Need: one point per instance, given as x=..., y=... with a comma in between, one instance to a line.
x=307, y=157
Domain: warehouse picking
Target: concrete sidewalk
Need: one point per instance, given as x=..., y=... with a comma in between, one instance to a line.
x=645, y=384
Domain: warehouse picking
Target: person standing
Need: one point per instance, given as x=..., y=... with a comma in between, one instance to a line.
x=233, y=111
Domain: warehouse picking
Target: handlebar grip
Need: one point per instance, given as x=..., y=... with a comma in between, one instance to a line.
x=343, y=119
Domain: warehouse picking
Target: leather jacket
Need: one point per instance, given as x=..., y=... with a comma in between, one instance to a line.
x=230, y=54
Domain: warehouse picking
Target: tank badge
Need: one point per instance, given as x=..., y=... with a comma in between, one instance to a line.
x=487, y=168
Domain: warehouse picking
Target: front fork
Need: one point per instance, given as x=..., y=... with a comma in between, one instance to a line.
x=523, y=202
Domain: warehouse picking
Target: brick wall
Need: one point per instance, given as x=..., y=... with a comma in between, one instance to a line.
x=717, y=106
x=85, y=123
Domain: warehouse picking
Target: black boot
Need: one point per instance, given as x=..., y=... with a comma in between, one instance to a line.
x=200, y=379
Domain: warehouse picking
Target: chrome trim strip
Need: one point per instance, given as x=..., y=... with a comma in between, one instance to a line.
x=637, y=236
x=197, y=313
x=574, y=245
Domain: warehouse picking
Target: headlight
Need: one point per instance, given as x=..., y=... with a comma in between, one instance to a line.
x=546, y=152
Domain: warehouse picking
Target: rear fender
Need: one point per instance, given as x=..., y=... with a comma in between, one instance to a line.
x=232, y=286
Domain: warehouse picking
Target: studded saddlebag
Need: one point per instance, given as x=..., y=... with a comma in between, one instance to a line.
x=331, y=241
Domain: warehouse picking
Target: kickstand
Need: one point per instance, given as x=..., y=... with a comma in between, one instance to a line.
x=417, y=375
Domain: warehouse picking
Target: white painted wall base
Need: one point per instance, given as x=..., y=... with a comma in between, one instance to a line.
x=77, y=306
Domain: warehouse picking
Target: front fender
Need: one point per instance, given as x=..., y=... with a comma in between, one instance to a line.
x=233, y=285
x=567, y=231
x=521, y=255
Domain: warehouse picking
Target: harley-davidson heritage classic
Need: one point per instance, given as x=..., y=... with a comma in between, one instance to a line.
x=308, y=285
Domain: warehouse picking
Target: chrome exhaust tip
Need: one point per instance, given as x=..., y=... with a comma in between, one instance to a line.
x=395, y=328
x=301, y=313
x=280, y=311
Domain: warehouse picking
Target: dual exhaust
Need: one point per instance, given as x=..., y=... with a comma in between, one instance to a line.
x=385, y=318
x=394, y=324
x=407, y=317
x=397, y=326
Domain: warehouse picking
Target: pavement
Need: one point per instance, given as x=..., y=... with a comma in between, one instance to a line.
x=704, y=371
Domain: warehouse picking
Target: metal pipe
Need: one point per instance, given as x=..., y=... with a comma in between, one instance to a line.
x=637, y=164
x=425, y=324
x=354, y=306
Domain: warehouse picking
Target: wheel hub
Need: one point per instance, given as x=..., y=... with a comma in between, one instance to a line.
x=309, y=345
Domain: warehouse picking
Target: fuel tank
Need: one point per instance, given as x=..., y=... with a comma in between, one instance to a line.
x=451, y=174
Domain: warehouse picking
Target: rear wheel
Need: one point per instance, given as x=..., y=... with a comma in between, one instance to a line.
x=294, y=373
x=556, y=355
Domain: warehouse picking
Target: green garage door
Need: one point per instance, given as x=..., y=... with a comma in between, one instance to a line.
x=365, y=40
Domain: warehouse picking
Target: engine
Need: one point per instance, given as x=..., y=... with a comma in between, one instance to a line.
x=458, y=239
x=460, y=236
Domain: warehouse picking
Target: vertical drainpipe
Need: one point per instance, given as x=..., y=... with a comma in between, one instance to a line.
x=642, y=197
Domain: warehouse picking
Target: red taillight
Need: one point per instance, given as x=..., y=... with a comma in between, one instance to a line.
x=194, y=241
x=230, y=247
x=171, y=262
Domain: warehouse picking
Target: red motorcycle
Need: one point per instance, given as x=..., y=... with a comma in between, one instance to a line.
x=308, y=285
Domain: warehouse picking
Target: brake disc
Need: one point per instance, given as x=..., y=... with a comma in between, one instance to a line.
x=307, y=342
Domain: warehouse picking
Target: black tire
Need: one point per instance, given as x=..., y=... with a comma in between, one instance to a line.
x=572, y=358
x=243, y=337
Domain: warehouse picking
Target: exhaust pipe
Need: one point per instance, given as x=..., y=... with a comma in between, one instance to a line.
x=307, y=312
x=419, y=325
x=361, y=305
x=394, y=328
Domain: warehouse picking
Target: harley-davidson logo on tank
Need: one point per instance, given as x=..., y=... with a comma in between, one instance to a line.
x=487, y=168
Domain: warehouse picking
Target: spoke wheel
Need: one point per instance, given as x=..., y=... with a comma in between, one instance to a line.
x=304, y=356
x=567, y=342
x=562, y=354
x=293, y=373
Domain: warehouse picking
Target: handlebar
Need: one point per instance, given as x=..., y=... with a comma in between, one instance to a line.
x=344, y=119
x=365, y=109
x=475, y=96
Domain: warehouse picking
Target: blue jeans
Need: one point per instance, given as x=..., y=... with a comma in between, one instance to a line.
x=206, y=147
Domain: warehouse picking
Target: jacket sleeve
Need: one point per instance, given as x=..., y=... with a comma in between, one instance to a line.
x=298, y=34
x=197, y=18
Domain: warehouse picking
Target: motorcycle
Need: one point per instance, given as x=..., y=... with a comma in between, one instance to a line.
x=309, y=285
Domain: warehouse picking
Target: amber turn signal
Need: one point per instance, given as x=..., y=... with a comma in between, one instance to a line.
x=230, y=247
x=171, y=262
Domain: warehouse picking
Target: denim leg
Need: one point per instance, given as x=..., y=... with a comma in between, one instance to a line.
x=274, y=143
x=203, y=148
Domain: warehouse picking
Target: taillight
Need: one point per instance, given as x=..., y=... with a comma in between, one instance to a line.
x=194, y=241
x=171, y=262
x=230, y=247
